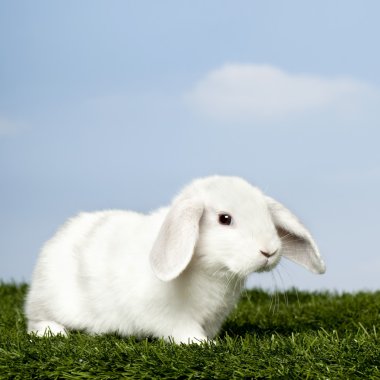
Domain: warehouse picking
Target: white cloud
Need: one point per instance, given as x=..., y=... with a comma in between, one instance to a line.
x=264, y=93
x=8, y=127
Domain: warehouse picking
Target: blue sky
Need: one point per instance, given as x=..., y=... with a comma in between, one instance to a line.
x=118, y=104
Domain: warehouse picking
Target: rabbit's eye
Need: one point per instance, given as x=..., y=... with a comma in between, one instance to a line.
x=225, y=219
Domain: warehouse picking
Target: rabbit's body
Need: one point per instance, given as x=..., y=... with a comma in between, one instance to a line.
x=101, y=281
x=163, y=274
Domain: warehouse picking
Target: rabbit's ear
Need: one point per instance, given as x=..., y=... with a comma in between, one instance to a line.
x=174, y=245
x=297, y=243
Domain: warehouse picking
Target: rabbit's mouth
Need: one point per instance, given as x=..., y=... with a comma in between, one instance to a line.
x=270, y=263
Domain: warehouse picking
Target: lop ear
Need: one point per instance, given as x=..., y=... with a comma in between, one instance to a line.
x=174, y=245
x=297, y=243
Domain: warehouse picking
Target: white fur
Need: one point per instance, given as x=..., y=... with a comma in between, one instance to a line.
x=175, y=273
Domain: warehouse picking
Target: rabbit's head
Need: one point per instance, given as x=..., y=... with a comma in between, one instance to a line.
x=224, y=223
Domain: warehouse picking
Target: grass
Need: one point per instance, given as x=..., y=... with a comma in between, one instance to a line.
x=304, y=335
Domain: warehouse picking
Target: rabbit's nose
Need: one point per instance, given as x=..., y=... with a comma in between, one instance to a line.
x=267, y=254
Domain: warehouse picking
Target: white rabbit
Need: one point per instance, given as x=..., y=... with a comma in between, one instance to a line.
x=175, y=273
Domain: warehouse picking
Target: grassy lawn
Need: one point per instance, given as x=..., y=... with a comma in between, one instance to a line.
x=304, y=335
